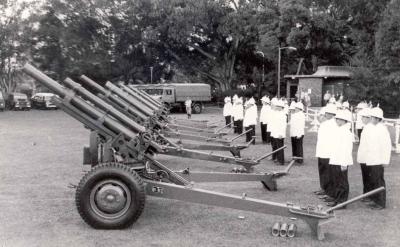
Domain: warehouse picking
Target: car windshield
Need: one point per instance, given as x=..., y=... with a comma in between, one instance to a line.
x=153, y=91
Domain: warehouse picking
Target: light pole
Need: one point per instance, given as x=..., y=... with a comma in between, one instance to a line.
x=279, y=66
x=151, y=75
x=262, y=80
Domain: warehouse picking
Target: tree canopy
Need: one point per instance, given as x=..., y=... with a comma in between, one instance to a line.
x=221, y=42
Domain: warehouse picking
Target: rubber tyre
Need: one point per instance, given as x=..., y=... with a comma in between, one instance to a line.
x=197, y=108
x=117, y=172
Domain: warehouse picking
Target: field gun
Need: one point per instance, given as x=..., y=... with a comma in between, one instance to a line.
x=112, y=194
x=128, y=105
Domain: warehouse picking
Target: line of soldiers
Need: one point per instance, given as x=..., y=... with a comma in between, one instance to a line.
x=334, y=142
x=334, y=152
x=274, y=117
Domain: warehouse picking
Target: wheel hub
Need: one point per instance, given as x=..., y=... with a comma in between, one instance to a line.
x=110, y=198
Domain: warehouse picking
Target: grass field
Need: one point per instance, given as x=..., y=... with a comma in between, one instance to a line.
x=41, y=154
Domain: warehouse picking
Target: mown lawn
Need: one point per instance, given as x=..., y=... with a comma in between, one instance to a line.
x=41, y=154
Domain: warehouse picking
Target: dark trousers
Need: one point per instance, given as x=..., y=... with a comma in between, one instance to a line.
x=324, y=175
x=251, y=133
x=273, y=145
x=238, y=126
x=340, y=184
x=359, y=131
x=364, y=174
x=297, y=147
x=376, y=180
x=280, y=155
x=264, y=133
x=228, y=120
x=268, y=136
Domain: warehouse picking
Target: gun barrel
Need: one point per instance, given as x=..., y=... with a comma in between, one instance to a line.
x=115, y=100
x=144, y=109
x=145, y=95
x=82, y=106
x=140, y=98
x=103, y=105
x=357, y=198
x=79, y=103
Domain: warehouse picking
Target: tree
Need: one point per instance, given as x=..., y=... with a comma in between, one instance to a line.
x=13, y=46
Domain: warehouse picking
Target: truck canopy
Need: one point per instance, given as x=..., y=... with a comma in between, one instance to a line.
x=195, y=91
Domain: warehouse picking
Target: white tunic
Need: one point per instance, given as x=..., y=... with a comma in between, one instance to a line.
x=363, y=147
x=250, y=117
x=227, y=109
x=325, y=133
x=265, y=114
x=278, y=124
x=237, y=112
x=297, y=124
x=378, y=145
x=342, y=147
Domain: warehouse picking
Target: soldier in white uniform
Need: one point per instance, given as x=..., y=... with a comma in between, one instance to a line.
x=364, y=115
x=238, y=116
x=346, y=105
x=297, y=125
x=278, y=131
x=359, y=122
x=322, y=151
x=264, y=118
x=188, y=105
x=341, y=157
x=227, y=112
x=377, y=154
x=250, y=119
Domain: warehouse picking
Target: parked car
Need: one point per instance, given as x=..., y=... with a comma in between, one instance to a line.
x=43, y=101
x=18, y=101
x=2, y=102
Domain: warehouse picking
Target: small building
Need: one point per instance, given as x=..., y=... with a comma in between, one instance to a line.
x=327, y=78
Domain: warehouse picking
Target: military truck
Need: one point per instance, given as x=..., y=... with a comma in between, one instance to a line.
x=174, y=95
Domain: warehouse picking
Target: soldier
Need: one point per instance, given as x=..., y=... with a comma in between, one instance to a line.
x=234, y=106
x=264, y=118
x=227, y=110
x=188, y=105
x=365, y=117
x=278, y=131
x=378, y=151
x=272, y=125
x=340, y=158
x=238, y=116
x=323, y=150
x=346, y=105
x=321, y=115
x=359, y=122
x=297, y=125
x=250, y=120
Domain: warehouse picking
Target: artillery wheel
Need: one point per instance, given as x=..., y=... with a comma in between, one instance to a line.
x=110, y=196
